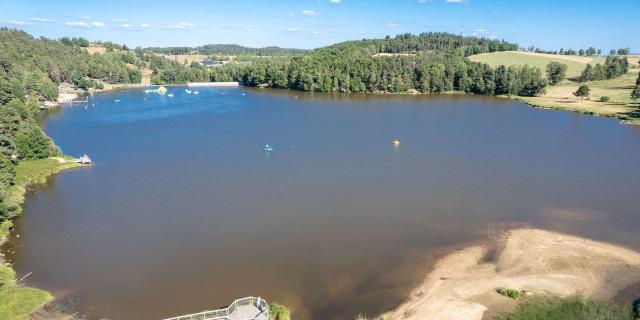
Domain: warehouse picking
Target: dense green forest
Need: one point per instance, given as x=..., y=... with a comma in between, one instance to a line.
x=226, y=49
x=429, y=62
x=45, y=63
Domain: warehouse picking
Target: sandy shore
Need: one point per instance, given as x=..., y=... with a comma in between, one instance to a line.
x=463, y=284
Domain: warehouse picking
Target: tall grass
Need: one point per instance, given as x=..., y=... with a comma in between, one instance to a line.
x=575, y=308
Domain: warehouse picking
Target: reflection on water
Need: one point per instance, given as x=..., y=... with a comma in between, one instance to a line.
x=184, y=211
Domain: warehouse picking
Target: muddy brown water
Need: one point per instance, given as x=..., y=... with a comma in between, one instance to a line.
x=183, y=211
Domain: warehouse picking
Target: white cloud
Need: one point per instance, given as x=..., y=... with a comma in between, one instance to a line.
x=20, y=22
x=85, y=24
x=42, y=20
x=84, y=17
x=184, y=25
x=335, y=1
x=78, y=24
x=456, y=1
x=338, y=24
x=145, y=25
x=309, y=13
x=424, y=1
x=248, y=30
x=392, y=24
x=120, y=20
x=296, y=29
x=125, y=25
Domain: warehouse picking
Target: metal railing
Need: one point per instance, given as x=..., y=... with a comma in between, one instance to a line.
x=225, y=313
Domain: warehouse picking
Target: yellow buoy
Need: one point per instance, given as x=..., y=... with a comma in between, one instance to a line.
x=395, y=142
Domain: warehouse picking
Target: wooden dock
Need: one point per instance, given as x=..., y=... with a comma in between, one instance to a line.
x=249, y=308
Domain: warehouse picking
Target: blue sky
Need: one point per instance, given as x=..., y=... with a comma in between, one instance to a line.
x=549, y=24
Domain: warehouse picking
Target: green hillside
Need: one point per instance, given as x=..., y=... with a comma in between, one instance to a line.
x=575, y=64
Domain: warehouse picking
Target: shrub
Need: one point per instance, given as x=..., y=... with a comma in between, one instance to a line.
x=511, y=293
x=604, y=99
x=278, y=312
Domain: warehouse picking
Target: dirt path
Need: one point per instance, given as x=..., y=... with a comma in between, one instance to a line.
x=463, y=284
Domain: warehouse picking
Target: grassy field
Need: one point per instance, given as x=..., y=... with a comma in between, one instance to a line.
x=575, y=64
x=570, y=308
x=560, y=96
x=18, y=302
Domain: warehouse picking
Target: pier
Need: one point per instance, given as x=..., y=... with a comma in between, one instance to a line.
x=249, y=308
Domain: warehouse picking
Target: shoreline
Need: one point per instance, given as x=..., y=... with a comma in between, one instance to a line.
x=623, y=118
x=463, y=284
x=474, y=252
x=72, y=96
x=28, y=173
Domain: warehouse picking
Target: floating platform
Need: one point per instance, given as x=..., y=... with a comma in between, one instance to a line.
x=213, y=84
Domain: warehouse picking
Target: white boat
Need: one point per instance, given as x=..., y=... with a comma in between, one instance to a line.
x=196, y=92
x=187, y=91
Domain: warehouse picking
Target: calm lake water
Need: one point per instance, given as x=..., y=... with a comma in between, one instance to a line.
x=183, y=211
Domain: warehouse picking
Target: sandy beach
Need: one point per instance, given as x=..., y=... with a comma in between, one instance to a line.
x=463, y=284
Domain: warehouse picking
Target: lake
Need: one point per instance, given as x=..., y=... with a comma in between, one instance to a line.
x=183, y=211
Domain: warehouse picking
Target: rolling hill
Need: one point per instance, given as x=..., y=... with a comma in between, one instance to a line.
x=575, y=64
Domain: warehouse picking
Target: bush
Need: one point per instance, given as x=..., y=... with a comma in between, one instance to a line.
x=511, y=293
x=604, y=99
x=278, y=312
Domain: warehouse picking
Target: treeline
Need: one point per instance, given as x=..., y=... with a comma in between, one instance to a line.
x=591, y=51
x=165, y=71
x=440, y=41
x=424, y=43
x=613, y=67
x=20, y=136
x=51, y=62
x=439, y=65
x=226, y=49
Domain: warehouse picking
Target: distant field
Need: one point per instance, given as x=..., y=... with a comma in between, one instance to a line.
x=575, y=64
x=618, y=90
x=561, y=96
x=184, y=58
